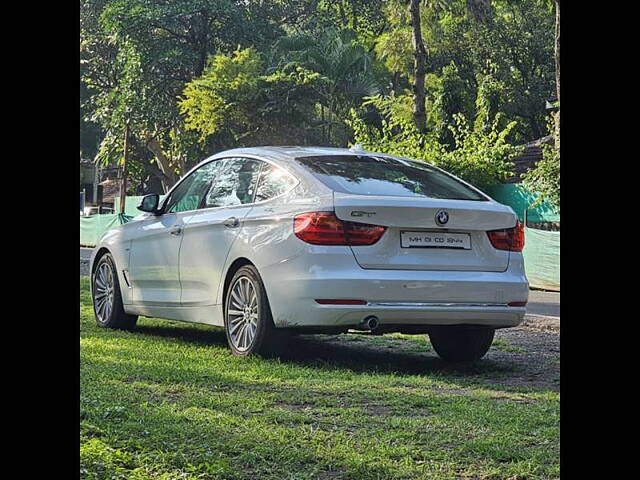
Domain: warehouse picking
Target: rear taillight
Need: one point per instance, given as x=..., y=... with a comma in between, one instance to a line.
x=324, y=228
x=508, y=238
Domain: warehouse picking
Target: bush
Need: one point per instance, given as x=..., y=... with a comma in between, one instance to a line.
x=480, y=158
x=544, y=179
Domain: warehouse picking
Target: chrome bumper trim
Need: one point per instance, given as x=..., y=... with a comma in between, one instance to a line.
x=434, y=304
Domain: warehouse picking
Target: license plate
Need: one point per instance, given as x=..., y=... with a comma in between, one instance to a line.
x=435, y=240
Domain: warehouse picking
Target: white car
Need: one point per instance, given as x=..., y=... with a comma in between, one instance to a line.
x=271, y=241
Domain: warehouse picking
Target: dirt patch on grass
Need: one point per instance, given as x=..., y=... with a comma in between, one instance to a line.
x=452, y=391
x=542, y=324
x=157, y=394
x=331, y=475
x=296, y=406
x=369, y=408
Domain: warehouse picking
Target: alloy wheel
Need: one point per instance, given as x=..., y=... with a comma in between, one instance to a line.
x=242, y=313
x=103, y=292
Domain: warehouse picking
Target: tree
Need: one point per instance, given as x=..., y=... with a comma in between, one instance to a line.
x=515, y=48
x=557, y=59
x=420, y=54
x=170, y=42
x=557, y=49
x=196, y=76
x=237, y=99
x=346, y=70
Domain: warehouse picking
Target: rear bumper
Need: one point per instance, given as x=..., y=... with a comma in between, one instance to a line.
x=498, y=316
x=396, y=297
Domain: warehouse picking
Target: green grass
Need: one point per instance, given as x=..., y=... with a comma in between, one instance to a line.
x=170, y=402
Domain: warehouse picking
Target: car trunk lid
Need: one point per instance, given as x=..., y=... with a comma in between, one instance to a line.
x=416, y=240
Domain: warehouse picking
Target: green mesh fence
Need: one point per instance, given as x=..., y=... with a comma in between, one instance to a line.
x=541, y=247
x=94, y=227
x=519, y=198
x=542, y=258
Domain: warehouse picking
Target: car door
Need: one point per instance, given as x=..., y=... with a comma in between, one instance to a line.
x=210, y=232
x=155, y=247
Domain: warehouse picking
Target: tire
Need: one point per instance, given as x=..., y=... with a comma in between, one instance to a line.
x=247, y=317
x=105, y=285
x=461, y=343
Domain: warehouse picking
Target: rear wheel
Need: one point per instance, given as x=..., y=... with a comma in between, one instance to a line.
x=107, y=300
x=248, y=321
x=461, y=343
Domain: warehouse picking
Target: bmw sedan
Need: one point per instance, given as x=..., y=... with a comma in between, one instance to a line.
x=268, y=242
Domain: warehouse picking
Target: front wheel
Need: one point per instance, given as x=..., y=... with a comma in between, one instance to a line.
x=248, y=322
x=107, y=301
x=461, y=343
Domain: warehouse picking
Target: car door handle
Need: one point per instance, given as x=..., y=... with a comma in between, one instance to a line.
x=231, y=222
x=176, y=230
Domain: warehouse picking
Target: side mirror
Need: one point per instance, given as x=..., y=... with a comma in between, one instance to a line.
x=149, y=203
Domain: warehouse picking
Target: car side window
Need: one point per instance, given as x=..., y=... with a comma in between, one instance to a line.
x=234, y=184
x=273, y=181
x=188, y=195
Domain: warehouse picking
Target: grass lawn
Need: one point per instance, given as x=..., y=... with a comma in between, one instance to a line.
x=170, y=402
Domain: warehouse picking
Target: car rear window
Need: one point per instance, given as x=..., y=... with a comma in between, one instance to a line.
x=379, y=175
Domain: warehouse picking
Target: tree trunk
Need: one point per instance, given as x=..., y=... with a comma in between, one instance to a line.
x=123, y=185
x=557, y=57
x=168, y=176
x=420, y=55
x=324, y=138
x=557, y=49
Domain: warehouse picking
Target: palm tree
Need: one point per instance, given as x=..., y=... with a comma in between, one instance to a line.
x=346, y=68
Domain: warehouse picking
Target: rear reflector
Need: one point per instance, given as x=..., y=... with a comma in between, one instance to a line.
x=511, y=239
x=324, y=228
x=517, y=304
x=337, y=301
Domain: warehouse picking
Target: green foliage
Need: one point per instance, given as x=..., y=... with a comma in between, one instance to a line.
x=394, y=49
x=480, y=158
x=544, y=179
x=347, y=73
x=218, y=97
x=515, y=50
x=448, y=97
x=488, y=98
x=197, y=76
x=235, y=96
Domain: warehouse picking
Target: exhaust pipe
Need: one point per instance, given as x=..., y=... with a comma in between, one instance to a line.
x=371, y=322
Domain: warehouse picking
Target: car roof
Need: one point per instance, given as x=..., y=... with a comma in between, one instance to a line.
x=289, y=153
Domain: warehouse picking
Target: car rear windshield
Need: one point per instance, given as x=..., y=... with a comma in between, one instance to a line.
x=378, y=175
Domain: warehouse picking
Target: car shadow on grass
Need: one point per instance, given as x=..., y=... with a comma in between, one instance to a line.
x=187, y=333
x=343, y=352
x=364, y=356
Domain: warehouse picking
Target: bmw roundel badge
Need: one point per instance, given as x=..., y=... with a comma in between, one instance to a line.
x=442, y=217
